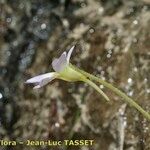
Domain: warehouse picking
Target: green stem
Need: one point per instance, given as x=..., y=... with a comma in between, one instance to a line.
x=96, y=88
x=117, y=91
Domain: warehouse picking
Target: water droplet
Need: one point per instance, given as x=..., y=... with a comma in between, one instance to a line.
x=110, y=51
x=130, y=81
x=43, y=26
x=135, y=69
x=146, y=129
x=135, y=22
x=91, y=30
x=130, y=93
x=35, y=19
x=83, y=5
x=148, y=91
x=57, y=125
x=108, y=55
x=125, y=121
x=8, y=20
x=145, y=80
x=100, y=10
x=1, y=96
x=101, y=86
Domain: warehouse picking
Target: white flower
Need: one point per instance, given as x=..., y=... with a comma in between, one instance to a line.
x=65, y=71
x=62, y=71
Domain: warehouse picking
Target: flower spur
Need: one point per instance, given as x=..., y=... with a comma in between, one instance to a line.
x=65, y=71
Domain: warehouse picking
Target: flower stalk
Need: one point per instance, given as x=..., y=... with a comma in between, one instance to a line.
x=127, y=99
x=92, y=84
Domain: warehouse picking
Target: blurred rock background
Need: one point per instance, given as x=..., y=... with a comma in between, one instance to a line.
x=112, y=40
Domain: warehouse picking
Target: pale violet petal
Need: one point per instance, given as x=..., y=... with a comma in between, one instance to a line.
x=60, y=63
x=39, y=78
x=69, y=53
x=37, y=87
x=45, y=81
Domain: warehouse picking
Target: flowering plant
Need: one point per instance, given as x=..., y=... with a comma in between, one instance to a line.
x=64, y=70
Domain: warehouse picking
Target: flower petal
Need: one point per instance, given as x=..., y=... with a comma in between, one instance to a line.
x=69, y=53
x=60, y=63
x=37, y=87
x=39, y=78
x=42, y=80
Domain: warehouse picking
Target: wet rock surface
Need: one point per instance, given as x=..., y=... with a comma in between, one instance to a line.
x=112, y=41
